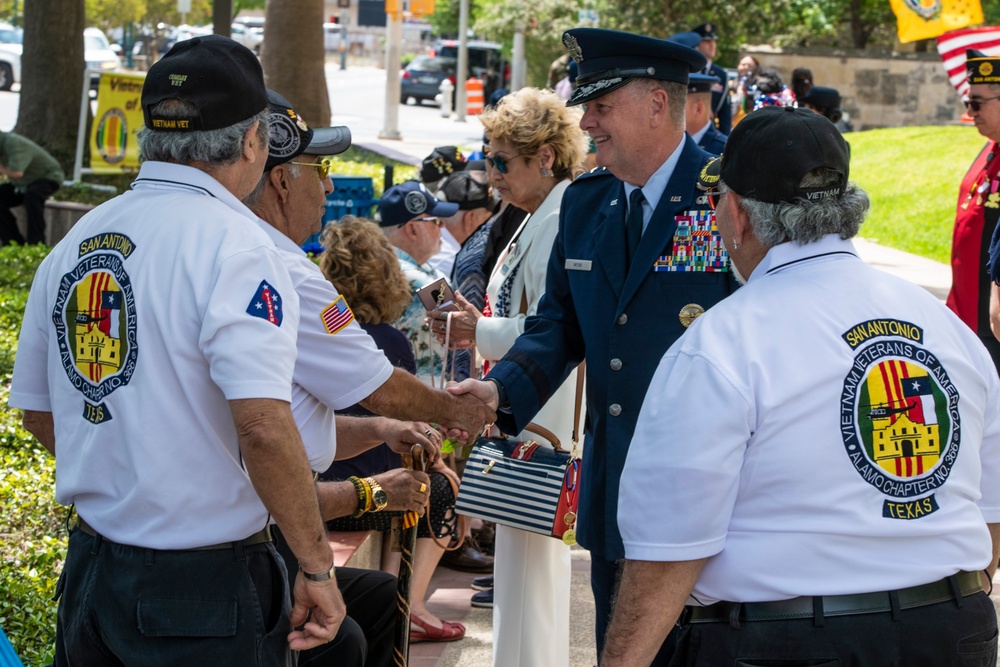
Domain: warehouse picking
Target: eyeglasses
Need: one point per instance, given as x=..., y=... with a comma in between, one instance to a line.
x=500, y=163
x=323, y=166
x=976, y=104
x=437, y=221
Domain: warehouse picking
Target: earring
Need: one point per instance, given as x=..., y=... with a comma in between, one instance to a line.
x=736, y=246
x=547, y=173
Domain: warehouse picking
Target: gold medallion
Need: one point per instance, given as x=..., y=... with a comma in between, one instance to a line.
x=690, y=313
x=569, y=537
x=570, y=518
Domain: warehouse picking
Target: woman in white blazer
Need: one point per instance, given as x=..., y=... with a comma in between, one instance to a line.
x=535, y=148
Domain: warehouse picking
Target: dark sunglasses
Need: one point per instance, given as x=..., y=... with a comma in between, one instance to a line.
x=500, y=163
x=976, y=104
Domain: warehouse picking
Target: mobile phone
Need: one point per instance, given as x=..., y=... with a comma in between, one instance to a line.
x=437, y=295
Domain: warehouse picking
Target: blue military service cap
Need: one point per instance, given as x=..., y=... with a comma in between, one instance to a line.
x=608, y=59
x=688, y=39
x=701, y=83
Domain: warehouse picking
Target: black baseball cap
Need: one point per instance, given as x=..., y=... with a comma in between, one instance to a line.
x=469, y=189
x=290, y=136
x=443, y=161
x=220, y=77
x=608, y=60
x=770, y=151
x=404, y=202
x=822, y=97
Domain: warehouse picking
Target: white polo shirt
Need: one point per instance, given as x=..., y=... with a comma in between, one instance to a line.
x=828, y=429
x=158, y=308
x=338, y=363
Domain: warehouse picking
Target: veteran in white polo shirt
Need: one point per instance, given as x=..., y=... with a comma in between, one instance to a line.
x=834, y=499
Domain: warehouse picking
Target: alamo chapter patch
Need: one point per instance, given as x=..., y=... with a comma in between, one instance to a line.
x=266, y=304
x=899, y=420
x=336, y=316
x=95, y=322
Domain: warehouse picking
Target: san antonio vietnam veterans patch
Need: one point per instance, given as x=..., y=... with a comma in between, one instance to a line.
x=899, y=416
x=95, y=322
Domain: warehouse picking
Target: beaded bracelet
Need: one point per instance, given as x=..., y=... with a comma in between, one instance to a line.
x=363, y=493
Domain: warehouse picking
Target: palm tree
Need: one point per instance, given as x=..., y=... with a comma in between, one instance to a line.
x=293, y=57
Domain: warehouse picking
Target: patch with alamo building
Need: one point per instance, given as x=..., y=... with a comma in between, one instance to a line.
x=899, y=421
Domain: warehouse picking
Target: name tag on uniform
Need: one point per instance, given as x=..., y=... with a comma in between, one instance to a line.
x=578, y=265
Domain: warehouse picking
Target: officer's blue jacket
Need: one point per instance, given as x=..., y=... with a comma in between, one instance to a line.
x=622, y=322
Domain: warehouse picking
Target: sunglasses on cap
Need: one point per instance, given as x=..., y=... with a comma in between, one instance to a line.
x=324, y=166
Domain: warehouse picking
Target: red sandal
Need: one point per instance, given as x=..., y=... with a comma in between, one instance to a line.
x=448, y=632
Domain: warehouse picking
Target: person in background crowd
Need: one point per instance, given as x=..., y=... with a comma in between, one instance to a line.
x=770, y=91
x=826, y=102
x=740, y=95
x=879, y=554
x=173, y=287
x=535, y=149
x=802, y=81
x=636, y=259
x=698, y=116
x=32, y=177
x=721, y=109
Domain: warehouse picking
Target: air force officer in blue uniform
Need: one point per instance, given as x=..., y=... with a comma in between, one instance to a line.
x=699, y=115
x=636, y=259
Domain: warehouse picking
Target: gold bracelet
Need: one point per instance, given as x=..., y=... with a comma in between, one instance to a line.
x=359, y=488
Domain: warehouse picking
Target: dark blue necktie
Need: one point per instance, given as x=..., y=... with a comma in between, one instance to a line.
x=633, y=225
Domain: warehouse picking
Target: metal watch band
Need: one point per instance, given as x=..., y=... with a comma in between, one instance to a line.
x=322, y=576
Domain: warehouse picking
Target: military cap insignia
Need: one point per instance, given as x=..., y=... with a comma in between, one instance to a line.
x=690, y=313
x=985, y=69
x=708, y=28
x=569, y=41
x=415, y=203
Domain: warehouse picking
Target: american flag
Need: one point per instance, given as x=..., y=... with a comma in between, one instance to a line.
x=952, y=46
x=337, y=315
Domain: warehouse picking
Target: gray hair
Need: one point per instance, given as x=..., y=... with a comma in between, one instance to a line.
x=676, y=93
x=222, y=146
x=806, y=221
x=252, y=199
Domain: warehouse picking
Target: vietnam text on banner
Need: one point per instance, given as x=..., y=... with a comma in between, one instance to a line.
x=952, y=48
x=113, y=147
x=923, y=19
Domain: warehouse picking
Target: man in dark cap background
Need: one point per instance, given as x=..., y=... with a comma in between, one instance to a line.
x=175, y=451
x=720, y=98
x=636, y=259
x=978, y=207
x=835, y=488
x=698, y=115
x=826, y=101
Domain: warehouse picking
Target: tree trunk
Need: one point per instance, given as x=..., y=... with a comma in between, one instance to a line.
x=222, y=17
x=859, y=36
x=293, y=57
x=52, y=76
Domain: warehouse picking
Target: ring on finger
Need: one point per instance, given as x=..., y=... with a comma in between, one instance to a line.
x=429, y=433
x=423, y=488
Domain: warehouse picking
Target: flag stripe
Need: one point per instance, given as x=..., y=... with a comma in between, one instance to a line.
x=952, y=46
x=337, y=315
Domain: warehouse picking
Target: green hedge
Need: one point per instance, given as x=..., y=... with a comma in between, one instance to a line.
x=32, y=524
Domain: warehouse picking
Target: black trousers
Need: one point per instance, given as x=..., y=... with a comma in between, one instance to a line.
x=366, y=637
x=604, y=584
x=122, y=606
x=33, y=198
x=955, y=633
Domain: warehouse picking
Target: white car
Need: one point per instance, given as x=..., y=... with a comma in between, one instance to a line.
x=248, y=36
x=98, y=54
x=10, y=55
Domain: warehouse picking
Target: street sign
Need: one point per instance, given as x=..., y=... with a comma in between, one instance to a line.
x=183, y=6
x=587, y=16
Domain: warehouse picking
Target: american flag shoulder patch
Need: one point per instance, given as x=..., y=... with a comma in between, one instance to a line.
x=336, y=316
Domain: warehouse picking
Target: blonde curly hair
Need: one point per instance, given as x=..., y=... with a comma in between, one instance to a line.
x=361, y=264
x=532, y=117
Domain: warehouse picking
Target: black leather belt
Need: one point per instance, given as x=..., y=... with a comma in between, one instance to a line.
x=260, y=537
x=949, y=588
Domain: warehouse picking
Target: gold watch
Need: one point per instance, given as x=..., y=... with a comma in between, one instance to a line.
x=379, y=497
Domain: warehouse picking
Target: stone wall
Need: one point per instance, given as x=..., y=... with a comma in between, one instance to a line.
x=877, y=91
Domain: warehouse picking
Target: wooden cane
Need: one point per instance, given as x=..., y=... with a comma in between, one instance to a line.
x=408, y=542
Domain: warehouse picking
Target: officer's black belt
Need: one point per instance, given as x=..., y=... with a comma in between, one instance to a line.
x=954, y=587
x=260, y=537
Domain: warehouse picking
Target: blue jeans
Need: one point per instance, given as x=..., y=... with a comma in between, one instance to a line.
x=125, y=605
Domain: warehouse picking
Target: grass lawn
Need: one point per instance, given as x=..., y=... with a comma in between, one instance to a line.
x=912, y=175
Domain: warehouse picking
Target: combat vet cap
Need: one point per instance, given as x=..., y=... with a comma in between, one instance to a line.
x=443, y=161
x=608, y=60
x=469, y=189
x=406, y=201
x=705, y=30
x=770, y=151
x=221, y=78
x=981, y=68
x=290, y=136
x=822, y=97
x=701, y=83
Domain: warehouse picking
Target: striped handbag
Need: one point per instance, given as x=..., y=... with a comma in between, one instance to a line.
x=524, y=485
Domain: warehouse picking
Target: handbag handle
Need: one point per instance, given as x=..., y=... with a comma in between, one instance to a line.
x=538, y=429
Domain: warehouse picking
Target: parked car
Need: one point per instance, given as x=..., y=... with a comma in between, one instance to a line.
x=421, y=80
x=486, y=62
x=10, y=55
x=99, y=55
x=248, y=36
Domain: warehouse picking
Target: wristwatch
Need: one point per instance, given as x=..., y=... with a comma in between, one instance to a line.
x=379, y=498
